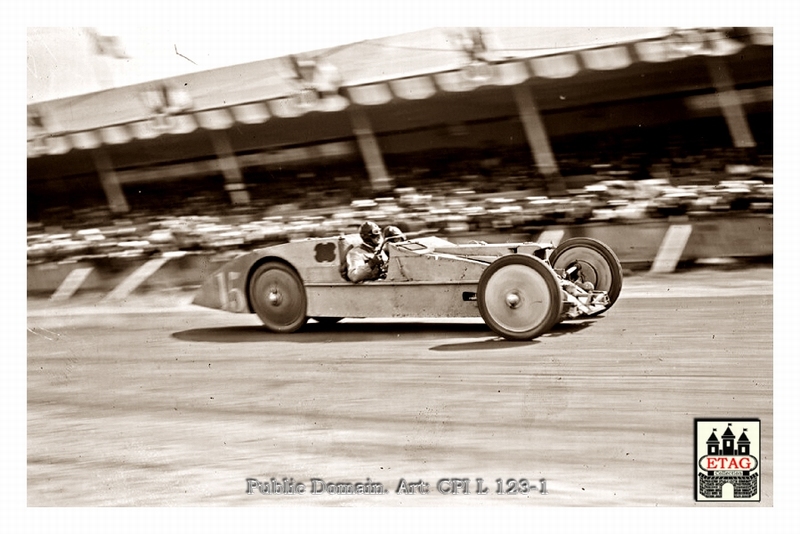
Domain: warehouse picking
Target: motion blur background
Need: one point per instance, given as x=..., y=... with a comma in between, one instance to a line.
x=461, y=131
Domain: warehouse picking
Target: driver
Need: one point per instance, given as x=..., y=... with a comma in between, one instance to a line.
x=367, y=260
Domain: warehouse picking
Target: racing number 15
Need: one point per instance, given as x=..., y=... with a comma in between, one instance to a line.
x=230, y=297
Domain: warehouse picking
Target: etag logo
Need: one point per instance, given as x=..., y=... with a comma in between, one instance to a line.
x=727, y=456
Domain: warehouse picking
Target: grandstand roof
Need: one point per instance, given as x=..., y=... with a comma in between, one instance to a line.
x=406, y=68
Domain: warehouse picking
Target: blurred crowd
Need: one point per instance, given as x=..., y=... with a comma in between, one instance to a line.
x=462, y=206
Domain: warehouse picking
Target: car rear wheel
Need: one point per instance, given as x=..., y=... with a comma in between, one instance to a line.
x=591, y=261
x=278, y=297
x=519, y=297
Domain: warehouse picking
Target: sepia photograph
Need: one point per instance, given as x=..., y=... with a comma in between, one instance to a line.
x=509, y=265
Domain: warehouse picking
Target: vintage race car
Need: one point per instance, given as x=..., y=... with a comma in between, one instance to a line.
x=521, y=290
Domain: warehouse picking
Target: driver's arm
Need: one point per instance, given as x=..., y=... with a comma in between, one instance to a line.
x=361, y=265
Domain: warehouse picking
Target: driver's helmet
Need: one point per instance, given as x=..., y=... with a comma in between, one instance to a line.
x=370, y=233
x=393, y=234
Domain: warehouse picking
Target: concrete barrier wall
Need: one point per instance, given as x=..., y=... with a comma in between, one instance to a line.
x=189, y=270
x=738, y=238
x=103, y=276
x=633, y=243
x=658, y=245
x=639, y=242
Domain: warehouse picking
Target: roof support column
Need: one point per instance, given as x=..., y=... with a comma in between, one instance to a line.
x=109, y=181
x=370, y=151
x=537, y=139
x=731, y=104
x=229, y=165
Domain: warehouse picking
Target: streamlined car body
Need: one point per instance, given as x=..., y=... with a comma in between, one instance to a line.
x=521, y=290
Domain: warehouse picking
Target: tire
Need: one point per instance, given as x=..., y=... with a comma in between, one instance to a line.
x=278, y=297
x=519, y=297
x=599, y=265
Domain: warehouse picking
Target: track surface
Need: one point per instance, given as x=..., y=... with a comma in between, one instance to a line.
x=175, y=405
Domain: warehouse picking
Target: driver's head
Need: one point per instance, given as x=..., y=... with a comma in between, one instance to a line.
x=393, y=234
x=370, y=234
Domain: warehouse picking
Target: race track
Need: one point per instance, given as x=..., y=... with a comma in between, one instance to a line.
x=176, y=405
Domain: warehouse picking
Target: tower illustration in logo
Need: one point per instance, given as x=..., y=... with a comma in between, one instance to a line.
x=727, y=467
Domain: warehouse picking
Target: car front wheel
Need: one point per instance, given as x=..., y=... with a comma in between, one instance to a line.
x=519, y=297
x=589, y=260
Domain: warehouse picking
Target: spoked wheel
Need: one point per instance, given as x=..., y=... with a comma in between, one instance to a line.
x=588, y=260
x=278, y=297
x=519, y=297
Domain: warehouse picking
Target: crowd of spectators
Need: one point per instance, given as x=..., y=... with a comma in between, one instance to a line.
x=505, y=200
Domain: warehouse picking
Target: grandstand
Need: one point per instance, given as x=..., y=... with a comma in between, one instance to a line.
x=445, y=108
